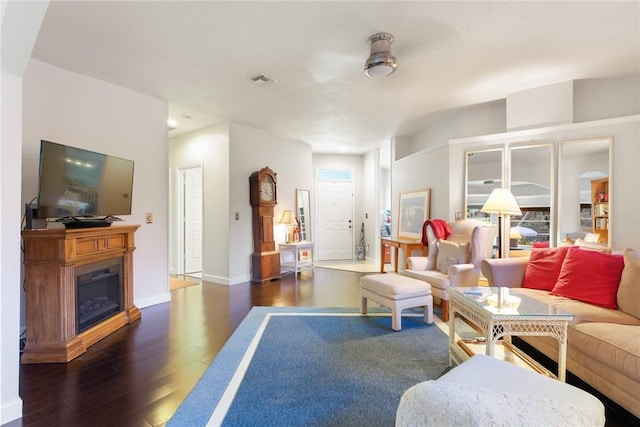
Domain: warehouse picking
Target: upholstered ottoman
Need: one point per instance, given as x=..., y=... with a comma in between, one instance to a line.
x=485, y=391
x=396, y=292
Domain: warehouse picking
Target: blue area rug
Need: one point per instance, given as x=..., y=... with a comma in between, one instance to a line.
x=287, y=366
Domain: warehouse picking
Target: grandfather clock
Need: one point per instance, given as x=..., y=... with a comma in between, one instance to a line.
x=265, y=260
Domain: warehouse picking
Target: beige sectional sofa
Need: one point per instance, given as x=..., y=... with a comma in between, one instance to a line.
x=603, y=344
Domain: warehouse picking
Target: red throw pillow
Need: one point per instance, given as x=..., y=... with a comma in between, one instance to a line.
x=591, y=277
x=540, y=245
x=544, y=267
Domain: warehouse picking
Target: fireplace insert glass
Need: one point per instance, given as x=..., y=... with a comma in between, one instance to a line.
x=99, y=292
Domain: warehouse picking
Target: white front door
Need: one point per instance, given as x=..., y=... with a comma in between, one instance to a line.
x=335, y=220
x=192, y=179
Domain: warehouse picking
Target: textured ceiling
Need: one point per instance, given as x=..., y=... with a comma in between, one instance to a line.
x=199, y=56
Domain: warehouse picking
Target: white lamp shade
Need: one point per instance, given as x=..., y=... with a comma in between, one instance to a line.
x=502, y=202
x=286, y=218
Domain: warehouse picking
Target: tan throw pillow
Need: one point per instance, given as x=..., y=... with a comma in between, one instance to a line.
x=629, y=289
x=591, y=238
x=600, y=247
x=451, y=253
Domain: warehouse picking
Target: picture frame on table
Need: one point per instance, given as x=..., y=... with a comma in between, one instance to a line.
x=413, y=211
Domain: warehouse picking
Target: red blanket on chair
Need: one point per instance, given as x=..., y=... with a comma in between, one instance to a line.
x=440, y=229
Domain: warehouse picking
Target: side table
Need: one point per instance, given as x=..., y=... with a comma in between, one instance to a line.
x=407, y=246
x=295, y=257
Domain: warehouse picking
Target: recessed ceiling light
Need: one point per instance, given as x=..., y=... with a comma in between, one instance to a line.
x=172, y=124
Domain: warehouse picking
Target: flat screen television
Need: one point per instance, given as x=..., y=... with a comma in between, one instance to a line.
x=75, y=183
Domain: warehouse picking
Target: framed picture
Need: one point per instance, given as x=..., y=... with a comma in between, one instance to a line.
x=413, y=212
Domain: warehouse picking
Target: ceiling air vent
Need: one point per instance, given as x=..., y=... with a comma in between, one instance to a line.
x=262, y=79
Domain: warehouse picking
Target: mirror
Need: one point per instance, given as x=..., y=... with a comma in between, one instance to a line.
x=303, y=213
x=531, y=181
x=583, y=190
x=483, y=174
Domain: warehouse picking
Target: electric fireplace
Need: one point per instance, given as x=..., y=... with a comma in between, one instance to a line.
x=78, y=289
x=98, y=292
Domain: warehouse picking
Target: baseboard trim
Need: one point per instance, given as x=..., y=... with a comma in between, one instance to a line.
x=11, y=410
x=158, y=299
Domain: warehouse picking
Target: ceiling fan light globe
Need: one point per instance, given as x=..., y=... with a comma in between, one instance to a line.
x=380, y=64
x=380, y=70
x=381, y=61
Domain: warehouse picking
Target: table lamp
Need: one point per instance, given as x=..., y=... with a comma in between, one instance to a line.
x=501, y=202
x=288, y=219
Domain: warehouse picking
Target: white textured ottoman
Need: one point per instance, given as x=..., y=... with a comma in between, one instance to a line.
x=396, y=292
x=485, y=391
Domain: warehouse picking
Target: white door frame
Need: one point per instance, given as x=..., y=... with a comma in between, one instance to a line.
x=180, y=193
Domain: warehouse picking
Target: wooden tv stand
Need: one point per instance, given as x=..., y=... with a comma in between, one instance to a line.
x=50, y=259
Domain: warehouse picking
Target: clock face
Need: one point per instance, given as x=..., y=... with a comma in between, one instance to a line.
x=266, y=190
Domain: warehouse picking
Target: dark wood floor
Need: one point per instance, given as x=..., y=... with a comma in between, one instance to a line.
x=139, y=375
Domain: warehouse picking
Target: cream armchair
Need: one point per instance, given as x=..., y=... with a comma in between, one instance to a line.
x=454, y=261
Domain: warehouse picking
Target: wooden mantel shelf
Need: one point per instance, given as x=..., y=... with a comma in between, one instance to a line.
x=50, y=259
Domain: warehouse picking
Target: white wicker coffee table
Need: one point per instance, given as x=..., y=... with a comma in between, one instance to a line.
x=519, y=315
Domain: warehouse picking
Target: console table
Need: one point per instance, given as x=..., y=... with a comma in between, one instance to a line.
x=296, y=256
x=407, y=246
x=53, y=259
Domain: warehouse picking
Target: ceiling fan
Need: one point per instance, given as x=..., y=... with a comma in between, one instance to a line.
x=381, y=61
x=330, y=65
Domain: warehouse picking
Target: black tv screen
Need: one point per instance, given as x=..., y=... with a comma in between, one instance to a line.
x=73, y=182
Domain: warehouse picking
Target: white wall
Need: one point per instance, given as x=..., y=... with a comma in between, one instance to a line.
x=605, y=98
x=10, y=214
x=427, y=169
x=20, y=23
x=593, y=99
x=209, y=148
x=250, y=150
x=370, y=204
x=418, y=171
x=480, y=119
x=540, y=106
x=76, y=110
x=403, y=146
